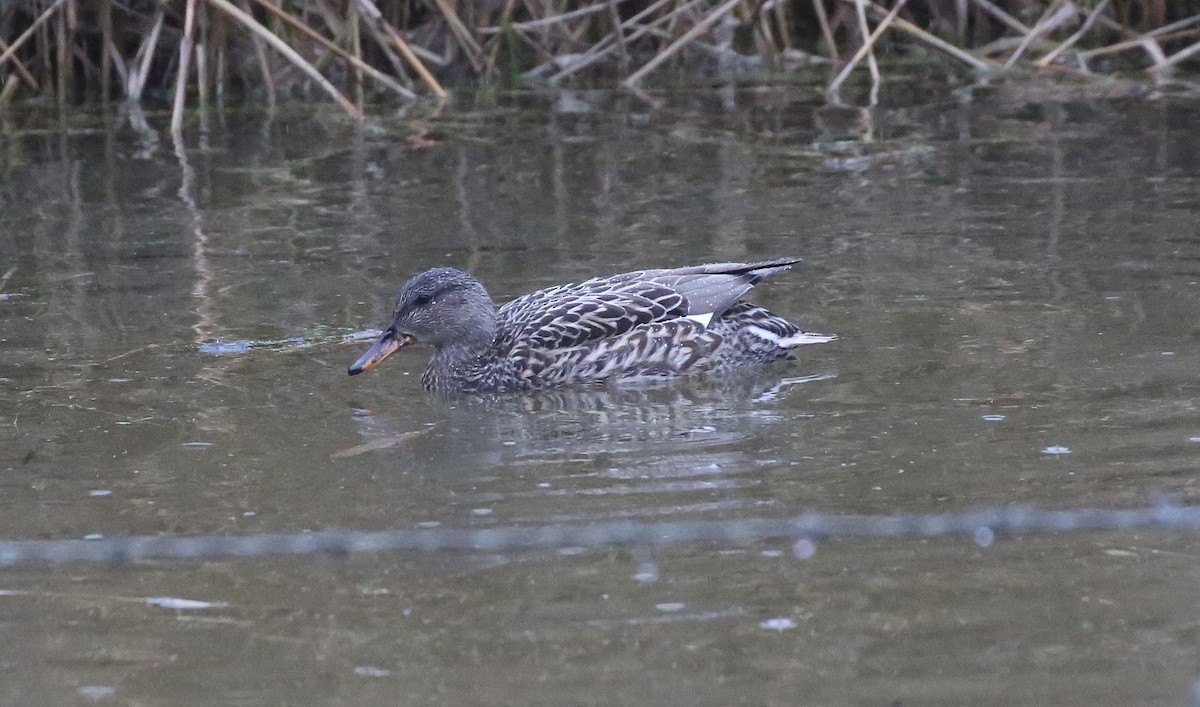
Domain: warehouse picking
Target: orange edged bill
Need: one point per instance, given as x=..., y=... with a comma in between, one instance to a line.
x=389, y=343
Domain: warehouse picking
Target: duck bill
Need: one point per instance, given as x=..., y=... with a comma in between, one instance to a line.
x=389, y=343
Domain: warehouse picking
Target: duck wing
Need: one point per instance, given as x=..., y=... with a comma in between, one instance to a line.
x=571, y=315
x=596, y=314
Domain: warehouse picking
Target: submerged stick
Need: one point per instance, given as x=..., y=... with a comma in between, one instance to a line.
x=270, y=38
x=701, y=27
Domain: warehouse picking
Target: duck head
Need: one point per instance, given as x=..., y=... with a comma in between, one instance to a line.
x=443, y=307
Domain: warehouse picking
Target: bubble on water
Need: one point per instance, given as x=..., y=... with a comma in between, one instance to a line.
x=96, y=493
x=96, y=692
x=1056, y=449
x=481, y=511
x=670, y=606
x=180, y=604
x=94, y=536
x=370, y=671
x=994, y=418
x=779, y=623
x=646, y=572
x=984, y=536
x=804, y=549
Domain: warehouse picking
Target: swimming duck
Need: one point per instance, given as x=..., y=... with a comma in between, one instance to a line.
x=645, y=324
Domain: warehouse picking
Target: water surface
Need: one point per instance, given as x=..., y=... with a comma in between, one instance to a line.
x=1014, y=281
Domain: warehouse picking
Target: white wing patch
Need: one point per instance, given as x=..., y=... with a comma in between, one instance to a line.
x=802, y=338
x=704, y=319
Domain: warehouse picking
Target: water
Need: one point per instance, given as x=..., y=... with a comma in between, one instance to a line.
x=1009, y=275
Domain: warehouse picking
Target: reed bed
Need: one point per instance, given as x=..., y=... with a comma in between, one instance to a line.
x=192, y=53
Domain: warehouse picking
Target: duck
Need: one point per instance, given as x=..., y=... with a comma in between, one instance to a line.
x=642, y=325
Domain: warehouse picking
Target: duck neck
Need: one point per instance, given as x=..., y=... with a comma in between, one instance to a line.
x=451, y=364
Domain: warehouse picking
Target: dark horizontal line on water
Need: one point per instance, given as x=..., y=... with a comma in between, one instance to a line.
x=982, y=525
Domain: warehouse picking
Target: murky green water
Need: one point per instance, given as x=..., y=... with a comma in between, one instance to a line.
x=1007, y=276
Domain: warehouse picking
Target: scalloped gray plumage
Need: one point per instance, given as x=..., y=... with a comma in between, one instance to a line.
x=646, y=324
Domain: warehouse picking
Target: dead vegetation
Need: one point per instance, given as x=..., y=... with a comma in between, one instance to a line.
x=193, y=53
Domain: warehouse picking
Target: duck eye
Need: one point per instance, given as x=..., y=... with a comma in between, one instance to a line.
x=422, y=300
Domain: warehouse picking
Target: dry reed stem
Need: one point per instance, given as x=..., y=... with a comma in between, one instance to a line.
x=545, y=21
x=614, y=16
x=185, y=55
x=290, y=54
x=700, y=28
x=1070, y=41
x=1175, y=58
x=1059, y=12
x=106, y=30
x=470, y=47
x=1160, y=33
x=606, y=45
x=202, y=67
x=865, y=49
x=1002, y=16
x=21, y=68
x=358, y=63
x=142, y=59
x=264, y=65
x=927, y=38
x=10, y=87
x=12, y=48
x=376, y=17
x=860, y=11
x=826, y=31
